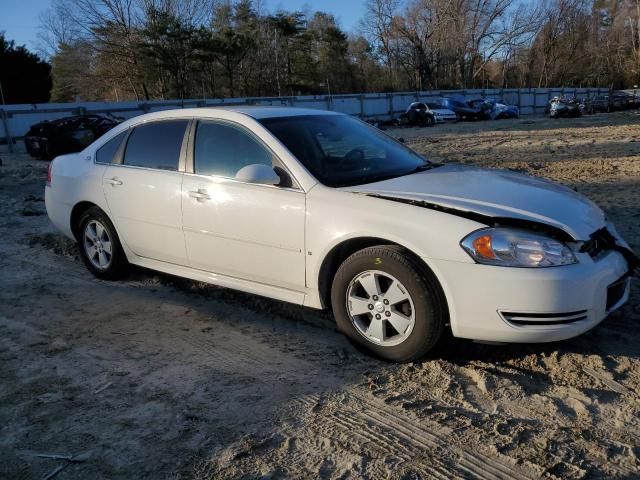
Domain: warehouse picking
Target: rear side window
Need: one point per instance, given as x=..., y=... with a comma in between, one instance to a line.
x=106, y=152
x=222, y=150
x=156, y=145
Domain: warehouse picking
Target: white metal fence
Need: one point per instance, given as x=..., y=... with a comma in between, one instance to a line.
x=15, y=120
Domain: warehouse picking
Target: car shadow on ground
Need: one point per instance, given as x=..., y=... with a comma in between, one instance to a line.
x=616, y=335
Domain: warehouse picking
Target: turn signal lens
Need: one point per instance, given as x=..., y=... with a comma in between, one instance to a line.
x=516, y=248
x=482, y=246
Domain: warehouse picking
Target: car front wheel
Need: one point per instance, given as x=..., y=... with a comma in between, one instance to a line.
x=100, y=246
x=387, y=301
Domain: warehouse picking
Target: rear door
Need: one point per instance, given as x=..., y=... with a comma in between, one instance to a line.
x=143, y=191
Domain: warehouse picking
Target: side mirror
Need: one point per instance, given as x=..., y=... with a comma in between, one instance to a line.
x=401, y=140
x=258, y=173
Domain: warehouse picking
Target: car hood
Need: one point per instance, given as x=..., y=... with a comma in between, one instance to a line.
x=495, y=194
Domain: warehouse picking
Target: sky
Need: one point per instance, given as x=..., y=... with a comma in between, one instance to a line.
x=19, y=18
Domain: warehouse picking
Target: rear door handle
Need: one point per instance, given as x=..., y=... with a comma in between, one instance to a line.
x=114, y=181
x=201, y=195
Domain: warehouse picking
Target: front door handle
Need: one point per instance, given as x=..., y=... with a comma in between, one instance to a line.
x=201, y=195
x=114, y=181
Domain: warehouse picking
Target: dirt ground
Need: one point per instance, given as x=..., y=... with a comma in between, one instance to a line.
x=163, y=378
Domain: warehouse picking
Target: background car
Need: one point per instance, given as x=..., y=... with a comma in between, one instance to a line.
x=48, y=139
x=621, y=100
x=596, y=104
x=462, y=109
x=564, y=107
x=418, y=114
x=442, y=115
x=494, y=110
x=426, y=114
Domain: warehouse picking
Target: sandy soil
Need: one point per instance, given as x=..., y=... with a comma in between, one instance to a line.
x=158, y=377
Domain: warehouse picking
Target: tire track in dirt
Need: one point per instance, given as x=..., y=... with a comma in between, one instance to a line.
x=239, y=353
x=368, y=419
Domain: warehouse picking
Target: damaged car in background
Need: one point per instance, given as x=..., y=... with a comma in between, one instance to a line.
x=464, y=110
x=48, y=139
x=495, y=110
x=422, y=114
x=596, y=104
x=323, y=210
x=621, y=100
x=562, y=107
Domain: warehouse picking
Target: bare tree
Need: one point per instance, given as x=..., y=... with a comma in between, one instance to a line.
x=377, y=24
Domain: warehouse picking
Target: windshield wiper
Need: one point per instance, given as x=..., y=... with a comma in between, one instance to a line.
x=381, y=178
x=425, y=167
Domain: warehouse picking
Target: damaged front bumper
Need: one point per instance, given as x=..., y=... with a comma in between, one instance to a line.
x=534, y=305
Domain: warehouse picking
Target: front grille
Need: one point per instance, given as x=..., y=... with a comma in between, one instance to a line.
x=615, y=292
x=544, y=319
x=598, y=242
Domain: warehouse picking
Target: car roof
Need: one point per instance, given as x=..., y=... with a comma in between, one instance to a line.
x=260, y=112
x=228, y=111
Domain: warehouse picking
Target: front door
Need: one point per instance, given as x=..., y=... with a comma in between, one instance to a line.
x=243, y=230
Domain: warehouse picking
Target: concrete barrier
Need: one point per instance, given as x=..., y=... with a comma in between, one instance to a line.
x=15, y=120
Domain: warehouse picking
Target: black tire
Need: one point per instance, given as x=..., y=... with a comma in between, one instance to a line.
x=430, y=306
x=412, y=118
x=118, y=265
x=429, y=121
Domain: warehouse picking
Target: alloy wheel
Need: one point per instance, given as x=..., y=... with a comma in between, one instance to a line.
x=380, y=308
x=97, y=245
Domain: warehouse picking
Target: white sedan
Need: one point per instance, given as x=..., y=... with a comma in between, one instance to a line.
x=321, y=209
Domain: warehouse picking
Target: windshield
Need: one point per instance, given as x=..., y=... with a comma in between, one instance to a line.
x=434, y=106
x=342, y=151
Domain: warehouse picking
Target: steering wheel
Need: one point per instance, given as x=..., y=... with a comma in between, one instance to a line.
x=350, y=155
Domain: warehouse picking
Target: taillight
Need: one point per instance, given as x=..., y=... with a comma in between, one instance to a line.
x=49, y=173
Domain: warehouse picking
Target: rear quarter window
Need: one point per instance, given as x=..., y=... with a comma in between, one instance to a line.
x=107, y=152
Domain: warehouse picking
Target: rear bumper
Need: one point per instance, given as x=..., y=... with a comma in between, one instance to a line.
x=59, y=212
x=526, y=305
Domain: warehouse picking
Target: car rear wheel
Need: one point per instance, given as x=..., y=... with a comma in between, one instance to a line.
x=100, y=247
x=387, y=301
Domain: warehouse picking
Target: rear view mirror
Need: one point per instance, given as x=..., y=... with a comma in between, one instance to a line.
x=258, y=173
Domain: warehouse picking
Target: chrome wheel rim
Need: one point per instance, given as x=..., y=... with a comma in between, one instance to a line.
x=380, y=308
x=97, y=245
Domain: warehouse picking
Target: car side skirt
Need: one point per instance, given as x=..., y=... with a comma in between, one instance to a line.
x=225, y=281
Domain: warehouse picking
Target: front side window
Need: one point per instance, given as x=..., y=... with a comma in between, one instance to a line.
x=222, y=150
x=156, y=145
x=341, y=151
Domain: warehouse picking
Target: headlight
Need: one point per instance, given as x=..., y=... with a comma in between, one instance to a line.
x=516, y=248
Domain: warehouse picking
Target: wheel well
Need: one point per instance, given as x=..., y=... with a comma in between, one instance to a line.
x=76, y=214
x=339, y=254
